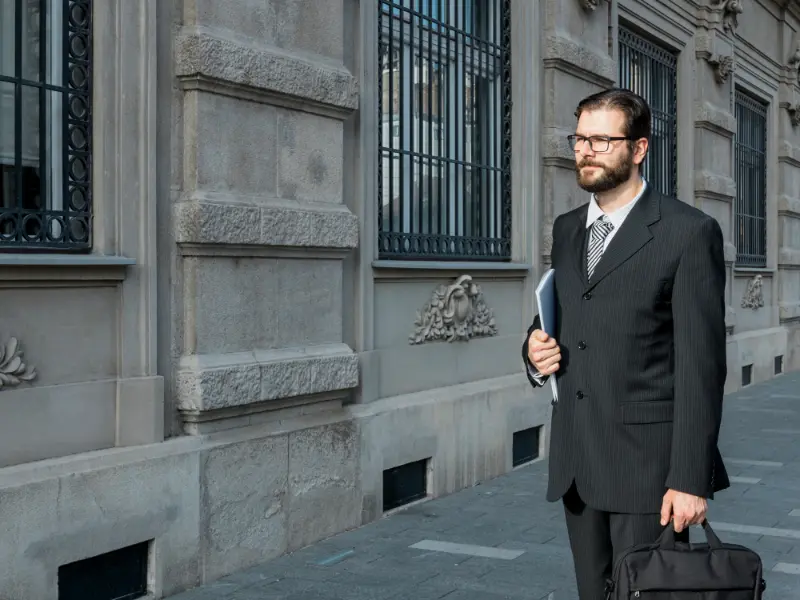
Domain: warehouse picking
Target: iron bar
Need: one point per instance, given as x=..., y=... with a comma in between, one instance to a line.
x=454, y=199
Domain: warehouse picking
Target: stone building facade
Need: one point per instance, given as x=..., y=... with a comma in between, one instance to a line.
x=267, y=265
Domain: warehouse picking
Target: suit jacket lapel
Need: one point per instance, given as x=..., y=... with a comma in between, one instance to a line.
x=632, y=236
x=576, y=244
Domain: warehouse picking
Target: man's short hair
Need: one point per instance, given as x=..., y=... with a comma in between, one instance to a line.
x=635, y=108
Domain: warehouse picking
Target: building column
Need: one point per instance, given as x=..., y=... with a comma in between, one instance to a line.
x=578, y=61
x=788, y=195
x=714, y=131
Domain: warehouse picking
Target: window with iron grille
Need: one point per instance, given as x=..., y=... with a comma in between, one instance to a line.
x=750, y=229
x=445, y=136
x=45, y=125
x=651, y=71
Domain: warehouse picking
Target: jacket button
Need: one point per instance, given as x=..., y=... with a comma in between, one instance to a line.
x=581, y=345
x=587, y=296
x=579, y=395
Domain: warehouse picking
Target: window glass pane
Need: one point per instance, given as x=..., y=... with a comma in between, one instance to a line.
x=8, y=26
x=651, y=71
x=45, y=124
x=444, y=161
x=751, y=212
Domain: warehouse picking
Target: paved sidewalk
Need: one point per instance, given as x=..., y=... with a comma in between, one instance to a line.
x=514, y=542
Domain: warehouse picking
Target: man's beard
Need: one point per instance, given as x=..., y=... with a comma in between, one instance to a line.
x=610, y=177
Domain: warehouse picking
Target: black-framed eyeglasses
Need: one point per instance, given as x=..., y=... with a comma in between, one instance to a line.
x=598, y=143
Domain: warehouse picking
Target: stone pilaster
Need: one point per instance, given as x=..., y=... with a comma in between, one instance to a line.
x=788, y=226
x=578, y=61
x=715, y=130
x=259, y=221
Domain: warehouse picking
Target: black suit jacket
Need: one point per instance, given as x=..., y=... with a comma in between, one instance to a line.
x=643, y=358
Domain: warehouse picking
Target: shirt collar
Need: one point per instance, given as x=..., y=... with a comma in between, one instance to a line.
x=616, y=217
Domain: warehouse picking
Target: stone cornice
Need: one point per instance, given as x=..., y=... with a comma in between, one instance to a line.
x=713, y=117
x=713, y=184
x=280, y=223
x=561, y=49
x=214, y=382
x=267, y=73
x=789, y=206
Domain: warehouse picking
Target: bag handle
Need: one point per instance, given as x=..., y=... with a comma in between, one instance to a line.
x=666, y=540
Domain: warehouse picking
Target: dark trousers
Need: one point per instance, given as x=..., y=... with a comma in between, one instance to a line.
x=597, y=538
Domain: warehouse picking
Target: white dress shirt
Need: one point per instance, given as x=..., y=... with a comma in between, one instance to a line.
x=617, y=218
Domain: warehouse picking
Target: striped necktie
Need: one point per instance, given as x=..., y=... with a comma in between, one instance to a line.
x=600, y=230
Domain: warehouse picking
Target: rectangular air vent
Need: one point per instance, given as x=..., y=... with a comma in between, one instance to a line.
x=405, y=484
x=747, y=375
x=525, y=446
x=117, y=575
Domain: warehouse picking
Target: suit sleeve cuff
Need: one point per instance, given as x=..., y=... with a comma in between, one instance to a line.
x=535, y=376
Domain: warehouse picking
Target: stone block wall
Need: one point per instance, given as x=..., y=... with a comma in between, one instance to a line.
x=258, y=222
x=237, y=307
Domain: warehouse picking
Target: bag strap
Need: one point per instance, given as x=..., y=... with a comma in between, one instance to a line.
x=666, y=540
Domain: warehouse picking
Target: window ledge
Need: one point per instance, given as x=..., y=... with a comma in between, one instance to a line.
x=64, y=260
x=20, y=268
x=744, y=270
x=412, y=268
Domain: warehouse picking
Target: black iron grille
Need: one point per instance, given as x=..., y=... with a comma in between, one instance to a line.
x=444, y=138
x=750, y=230
x=45, y=124
x=651, y=71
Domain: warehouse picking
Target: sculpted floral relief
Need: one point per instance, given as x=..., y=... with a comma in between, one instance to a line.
x=455, y=312
x=13, y=369
x=754, y=295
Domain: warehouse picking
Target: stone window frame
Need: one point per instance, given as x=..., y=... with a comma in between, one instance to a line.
x=527, y=189
x=758, y=98
x=369, y=124
x=527, y=72
x=767, y=92
x=123, y=252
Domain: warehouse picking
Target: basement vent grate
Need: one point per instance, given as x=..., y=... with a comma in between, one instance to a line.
x=525, y=446
x=747, y=375
x=405, y=484
x=117, y=575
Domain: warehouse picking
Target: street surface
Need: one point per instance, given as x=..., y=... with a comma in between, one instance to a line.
x=501, y=539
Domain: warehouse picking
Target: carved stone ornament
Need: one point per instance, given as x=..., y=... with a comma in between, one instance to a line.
x=455, y=312
x=794, y=61
x=754, y=295
x=794, y=114
x=13, y=369
x=723, y=67
x=589, y=5
x=731, y=9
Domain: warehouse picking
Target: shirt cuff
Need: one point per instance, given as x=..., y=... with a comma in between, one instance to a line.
x=534, y=374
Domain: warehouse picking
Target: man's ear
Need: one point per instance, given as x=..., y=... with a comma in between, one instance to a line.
x=640, y=150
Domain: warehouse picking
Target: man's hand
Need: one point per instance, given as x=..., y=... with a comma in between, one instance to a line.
x=684, y=509
x=543, y=352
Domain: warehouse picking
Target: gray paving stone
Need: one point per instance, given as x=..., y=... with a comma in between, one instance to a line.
x=510, y=512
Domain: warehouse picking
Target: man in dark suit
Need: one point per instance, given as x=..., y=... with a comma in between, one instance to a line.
x=639, y=349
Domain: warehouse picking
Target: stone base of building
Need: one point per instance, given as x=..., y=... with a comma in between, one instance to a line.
x=214, y=504
x=760, y=355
